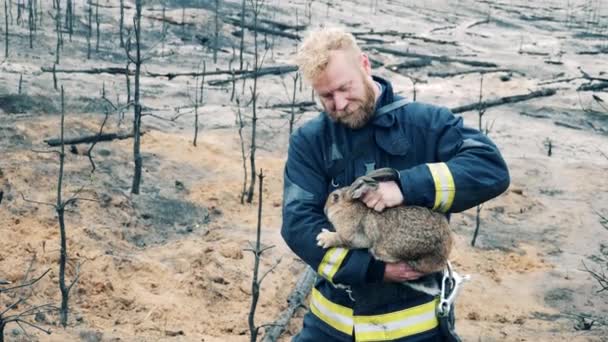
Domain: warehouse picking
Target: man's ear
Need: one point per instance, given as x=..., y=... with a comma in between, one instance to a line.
x=365, y=63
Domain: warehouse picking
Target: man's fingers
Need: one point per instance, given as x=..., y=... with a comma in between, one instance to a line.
x=373, y=202
x=379, y=207
x=407, y=272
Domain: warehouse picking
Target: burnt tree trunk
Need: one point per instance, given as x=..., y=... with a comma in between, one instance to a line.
x=6, y=29
x=30, y=22
x=293, y=104
x=242, y=47
x=89, y=29
x=58, y=29
x=122, y=23
x=216, y=39
x=137, y=105
x=63, y=311
x=97, y=25
x=254, y=119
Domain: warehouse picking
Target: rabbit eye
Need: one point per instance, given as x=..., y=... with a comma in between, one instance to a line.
x=335, y=197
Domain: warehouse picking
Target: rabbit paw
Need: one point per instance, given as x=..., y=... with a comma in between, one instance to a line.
x=327, y=239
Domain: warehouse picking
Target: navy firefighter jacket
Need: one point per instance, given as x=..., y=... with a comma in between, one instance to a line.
x=442, y=165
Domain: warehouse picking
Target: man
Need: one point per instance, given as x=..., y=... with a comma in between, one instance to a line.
x=442, y=165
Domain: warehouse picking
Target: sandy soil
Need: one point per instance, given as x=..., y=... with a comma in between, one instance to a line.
x=171, y=263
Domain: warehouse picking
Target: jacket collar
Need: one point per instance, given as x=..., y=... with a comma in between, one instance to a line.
x=386, y=97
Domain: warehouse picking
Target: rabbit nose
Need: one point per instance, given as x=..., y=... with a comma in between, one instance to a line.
x=325, y=211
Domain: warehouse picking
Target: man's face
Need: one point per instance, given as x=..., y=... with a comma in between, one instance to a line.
x=345, y=90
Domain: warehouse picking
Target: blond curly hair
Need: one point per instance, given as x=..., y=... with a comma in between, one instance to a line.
x=313, y=54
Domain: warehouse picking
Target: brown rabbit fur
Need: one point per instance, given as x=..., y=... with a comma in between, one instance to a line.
x=416, y=235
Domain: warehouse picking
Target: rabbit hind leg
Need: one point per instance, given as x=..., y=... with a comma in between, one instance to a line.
x=429, y=263
x=382, y=254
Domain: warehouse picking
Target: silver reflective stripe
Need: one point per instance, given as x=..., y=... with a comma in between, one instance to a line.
x=390, y=326
x=332, y=315
x=294, y=192
x=444, y=186
x=331, y=262
x=468, y=143
x=336, y=316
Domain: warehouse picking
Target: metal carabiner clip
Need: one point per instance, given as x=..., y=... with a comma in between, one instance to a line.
x=450, y=288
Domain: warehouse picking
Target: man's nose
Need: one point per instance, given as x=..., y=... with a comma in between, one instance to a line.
x=340, y=102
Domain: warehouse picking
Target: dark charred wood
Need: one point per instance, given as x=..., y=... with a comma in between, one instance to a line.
x=86, y=139
x=445, y=59
x=413, y=64
x=533, y=115
x=593, y=86
x=167, y=20
x=297, y=104
x=504, y=100
x=295, y=301
x=470, y=71
x=262, y=29
x=276, y=70
x=109, y=70
x=283, y=26
x=402, y=35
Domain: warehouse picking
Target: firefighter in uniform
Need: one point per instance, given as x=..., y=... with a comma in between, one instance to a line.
x=442, y=165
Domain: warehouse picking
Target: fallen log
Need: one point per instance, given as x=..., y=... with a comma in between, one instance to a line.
x=296, y=300
x=86, y=139
x=167, y=20
x=484, y=21
x=504, y=100
x=277, y=70
x=417, y=63
x=537, y=116
x=284, y=26
x=593, y=86
x=434, y=57
x=262, y=29
x=404, y=35
x=567, y=125
x=533, y=53
x=470, y=71
x=171, y=75
x=297, y=104
x=108, y=70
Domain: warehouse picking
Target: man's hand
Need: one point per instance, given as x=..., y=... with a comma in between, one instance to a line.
x=387, y=195
x=400, y=272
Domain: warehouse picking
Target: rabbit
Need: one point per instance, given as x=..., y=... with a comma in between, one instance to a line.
x=413, y=234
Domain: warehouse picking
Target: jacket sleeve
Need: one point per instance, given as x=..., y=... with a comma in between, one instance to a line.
x=304, y=195
x=467, y=169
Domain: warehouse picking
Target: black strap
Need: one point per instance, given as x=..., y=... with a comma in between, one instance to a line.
x=392, y=106
x=339, y=166
x=446, y=326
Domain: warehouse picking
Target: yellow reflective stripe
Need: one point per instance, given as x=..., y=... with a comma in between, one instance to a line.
x=331, y=262
x=337, y=316
x=398, y=324
x=444, y=186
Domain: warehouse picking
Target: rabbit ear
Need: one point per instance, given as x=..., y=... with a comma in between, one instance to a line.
x=361, y=186
x=384, y=174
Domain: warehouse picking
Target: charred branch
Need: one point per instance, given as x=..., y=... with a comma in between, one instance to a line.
x=261, y=29
x=504, y=100
x=275, y=70
x=403, y=35
x=90, y=138
x=295, y=300
x=444, y=59
x=470, y=71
